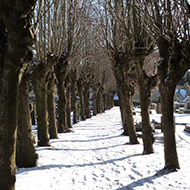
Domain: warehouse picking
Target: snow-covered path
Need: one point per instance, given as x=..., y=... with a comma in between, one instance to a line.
x=96, y=157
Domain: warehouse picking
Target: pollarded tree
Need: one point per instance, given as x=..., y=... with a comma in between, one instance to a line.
x=74, y=30
x=86, y=71
x=44, y=61
x=118, y=50
x=16, y=37
x=168, y=22
x=141, y=44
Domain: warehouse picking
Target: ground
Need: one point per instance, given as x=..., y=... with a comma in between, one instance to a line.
x=96, y=157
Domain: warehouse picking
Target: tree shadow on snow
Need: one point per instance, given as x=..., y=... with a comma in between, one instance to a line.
x=103, y=137
x=60, y=166
x=142, y=181
x=71, y=149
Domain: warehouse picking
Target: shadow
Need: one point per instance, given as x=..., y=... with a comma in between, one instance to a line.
x=186, y=133
x=69, y=149
x=88, y=140
x=182, y=115
x=100, y=162
x=142, y=181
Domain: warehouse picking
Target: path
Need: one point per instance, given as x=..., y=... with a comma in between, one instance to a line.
x=95, y=157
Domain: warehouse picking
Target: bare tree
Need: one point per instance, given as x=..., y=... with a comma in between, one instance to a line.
x=119, y=54
x=75, y=27
x=44, y=61
x=168, y=22
x=141, y=44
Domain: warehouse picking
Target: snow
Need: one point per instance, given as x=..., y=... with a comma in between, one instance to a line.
x=96, y=157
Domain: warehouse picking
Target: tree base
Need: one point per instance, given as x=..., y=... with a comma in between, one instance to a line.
x=26, y=163
x=125, y=133
x=41, y=143
x=64, y=129
x=54, y=138
x=148, y=152
x=167, y=169
x=132, y=143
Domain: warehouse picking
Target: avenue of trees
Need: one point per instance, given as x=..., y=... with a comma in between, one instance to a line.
x=72, y=52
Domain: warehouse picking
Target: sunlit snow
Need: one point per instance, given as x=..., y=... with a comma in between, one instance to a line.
x=96, y=157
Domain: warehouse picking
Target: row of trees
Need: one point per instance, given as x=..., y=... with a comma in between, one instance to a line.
x=133, y=30
x=50, y=46
x=62, y=29
x=70, y=46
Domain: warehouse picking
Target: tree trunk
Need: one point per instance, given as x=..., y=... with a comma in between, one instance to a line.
x=8, y=124
x=68, y=108
x=111, y=100
x=99, y=101
x=51, y=107
x=61, y=72
x=81, y=95
x=87, y=101
x=145, y=84
x=32, y=113
x=128, y=102
x=171, y=69
x=148, y=138
x=123, y=113
x=62, y=117
x=95, y=103
x=73, y=95
x=40, y=89
x=105, y=101
x=25, y=150
x=14, y=43
x=168, y=124
x=125, y=92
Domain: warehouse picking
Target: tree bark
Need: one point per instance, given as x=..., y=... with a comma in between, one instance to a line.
x=40, y=89
x=87, y=100
x=68, y=107
x=62, y=118
x=145, y=84
x=168, y=124
x=61, y=72
x=81, y=95
x=171, y=70
x=16, y=37
x=125, y=77
x=39, y=81
x=105, y=101
x=95, y=103
x=8, y=122
x=52, y=126
x=123, y=113
x=73, y=95
x=129, y=122
x=148, y=138
x=99, y=101
x=25, y=150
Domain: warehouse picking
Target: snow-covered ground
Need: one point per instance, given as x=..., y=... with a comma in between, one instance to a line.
x=96, y=157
